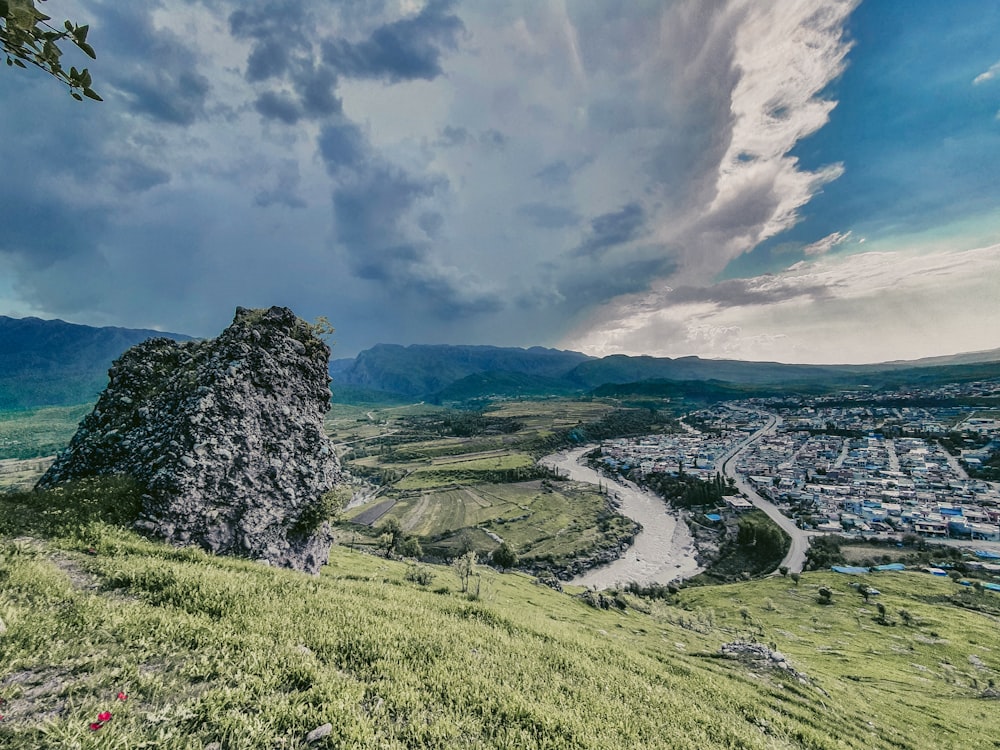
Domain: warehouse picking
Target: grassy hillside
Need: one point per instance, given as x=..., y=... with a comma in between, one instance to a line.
x=208, y=650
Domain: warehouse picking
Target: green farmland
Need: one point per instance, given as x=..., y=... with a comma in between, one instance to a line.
x=461, y=480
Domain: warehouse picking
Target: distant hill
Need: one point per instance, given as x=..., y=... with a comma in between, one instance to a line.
x=420, y=370
x=619, y=368
x=54, y=363
x=504, y=384
x=467, y=373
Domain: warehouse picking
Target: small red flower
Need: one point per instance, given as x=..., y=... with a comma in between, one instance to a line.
x=95, y=725
x=104, y=716
x=121, y=696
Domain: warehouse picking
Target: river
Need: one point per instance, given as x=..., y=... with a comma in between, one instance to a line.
x=662, y=552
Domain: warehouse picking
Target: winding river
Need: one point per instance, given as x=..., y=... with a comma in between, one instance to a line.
x=662, y=552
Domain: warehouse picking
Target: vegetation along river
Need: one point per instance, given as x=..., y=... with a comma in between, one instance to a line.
x=662, y=552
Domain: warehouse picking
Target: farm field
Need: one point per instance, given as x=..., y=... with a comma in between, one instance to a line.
x=466, y=480
x=554, y=522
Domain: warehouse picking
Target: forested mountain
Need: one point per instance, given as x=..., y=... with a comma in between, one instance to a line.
x=51, y=362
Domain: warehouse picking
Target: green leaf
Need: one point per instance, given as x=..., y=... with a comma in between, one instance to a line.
x=76, y=96
x=81, y=33
x=91, y=94
x=88, y=49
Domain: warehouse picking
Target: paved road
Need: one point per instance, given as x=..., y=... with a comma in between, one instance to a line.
x=796, y=557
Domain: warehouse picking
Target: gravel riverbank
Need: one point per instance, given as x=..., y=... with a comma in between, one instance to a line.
x=663, y=551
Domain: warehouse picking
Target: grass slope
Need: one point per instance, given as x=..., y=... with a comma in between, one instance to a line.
x=212, y=650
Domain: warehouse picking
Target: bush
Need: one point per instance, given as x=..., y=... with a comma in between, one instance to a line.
x=420, y=574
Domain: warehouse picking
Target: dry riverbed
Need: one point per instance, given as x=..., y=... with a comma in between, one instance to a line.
x=663, y=551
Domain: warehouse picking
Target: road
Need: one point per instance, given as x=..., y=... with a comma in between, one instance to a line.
x=662, y=552
x=795, y=560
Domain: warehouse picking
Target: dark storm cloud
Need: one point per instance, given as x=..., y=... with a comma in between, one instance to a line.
x=548, y=215
x=40, y=231
x=612, y=229
x=285, y=49
x=371, y=203
x=342, y=146
x=156, y=69
x=285, y=191
x=316, y=87
x=275, y=105
x=134, y=176
x=586, y=290
x=403, y=50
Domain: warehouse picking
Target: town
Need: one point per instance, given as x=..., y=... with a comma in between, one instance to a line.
x=857, y=463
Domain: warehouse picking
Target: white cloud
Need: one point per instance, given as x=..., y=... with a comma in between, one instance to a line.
x=988, y=75
x=825, y=245
x=875, y=307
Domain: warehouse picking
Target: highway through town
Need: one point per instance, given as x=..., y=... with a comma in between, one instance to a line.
x=796, y=557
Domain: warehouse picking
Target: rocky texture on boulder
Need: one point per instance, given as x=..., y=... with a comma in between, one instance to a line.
x=226, y=438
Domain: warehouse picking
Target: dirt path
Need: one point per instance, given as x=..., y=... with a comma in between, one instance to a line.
x=662, y=552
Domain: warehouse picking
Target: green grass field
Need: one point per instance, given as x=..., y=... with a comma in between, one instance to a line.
x=38, y=432
x=211, y=650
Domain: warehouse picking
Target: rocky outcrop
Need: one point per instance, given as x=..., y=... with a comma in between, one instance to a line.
x=225, y=436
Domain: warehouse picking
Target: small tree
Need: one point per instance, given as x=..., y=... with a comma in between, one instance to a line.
x=410, y=547
x=465, y=567
x=825, y=595
x=795, y=576
x=391, y=533
x=865, y=590
x=504, y=557
x=784, y=571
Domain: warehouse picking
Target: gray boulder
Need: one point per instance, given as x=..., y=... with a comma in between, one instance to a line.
x=225, y=436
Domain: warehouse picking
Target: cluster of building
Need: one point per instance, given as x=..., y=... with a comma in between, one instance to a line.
x=874, y=468
x=696, y=451
x=872, y=484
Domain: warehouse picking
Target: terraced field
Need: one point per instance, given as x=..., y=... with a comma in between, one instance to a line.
x=480, y=487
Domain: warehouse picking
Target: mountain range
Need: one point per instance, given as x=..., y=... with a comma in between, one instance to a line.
x=54, y=363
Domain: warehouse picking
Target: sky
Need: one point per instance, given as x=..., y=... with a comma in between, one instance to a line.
x=796, y=181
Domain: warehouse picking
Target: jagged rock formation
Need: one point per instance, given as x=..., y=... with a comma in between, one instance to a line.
x=224, y=435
